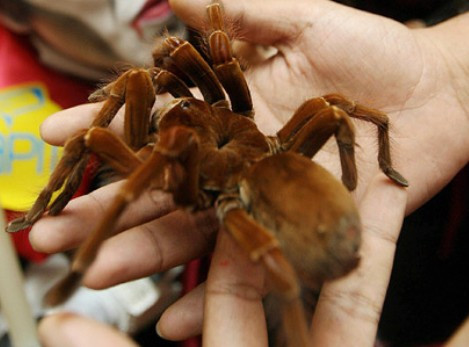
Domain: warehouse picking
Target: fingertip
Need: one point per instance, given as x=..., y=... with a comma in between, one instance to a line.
x=45, y=328
x=40, y=237
x=58, y=127
x=250, y=20
x=67, y=329
x=184, y=318
x=46, y=132
x=55, y=129
x=52, y=234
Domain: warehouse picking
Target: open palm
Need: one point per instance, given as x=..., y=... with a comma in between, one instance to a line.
x=327, y=48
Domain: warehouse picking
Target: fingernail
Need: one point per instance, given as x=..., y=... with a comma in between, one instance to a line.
x=158, y=331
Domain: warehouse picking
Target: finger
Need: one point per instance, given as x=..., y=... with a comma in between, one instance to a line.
x=233, y=312
x=66, y=329
x=60, y=126
x=349, y=308
x=184, y=318
x=153, y=240
x=53, y=234
x=251, y=20
x=461, y=337
x=153, y=247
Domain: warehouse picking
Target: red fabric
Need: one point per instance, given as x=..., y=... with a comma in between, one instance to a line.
x=21, y=241
x=191, y=279
x=18, y=65
x=195, y=274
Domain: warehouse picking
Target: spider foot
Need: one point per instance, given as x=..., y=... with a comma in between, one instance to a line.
x=396, y=177
x=18, y=224
x=63, y=289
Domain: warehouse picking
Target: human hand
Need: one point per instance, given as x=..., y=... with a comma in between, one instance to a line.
x=419, y=77
x=417, y=98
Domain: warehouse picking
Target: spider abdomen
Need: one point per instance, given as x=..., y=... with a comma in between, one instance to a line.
x=309, y=211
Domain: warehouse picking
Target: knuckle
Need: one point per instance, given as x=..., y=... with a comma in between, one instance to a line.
x=239, y=289
x=381, y=233
x=354, y=304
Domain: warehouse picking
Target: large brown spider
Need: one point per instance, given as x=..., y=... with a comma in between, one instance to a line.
x=207, y=154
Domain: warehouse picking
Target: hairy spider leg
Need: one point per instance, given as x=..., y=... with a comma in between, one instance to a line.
x=178, y=146
x=71, y=167
x=126, y=90
x=190, y=63
x=226, y=66
x=179, y=55
x=166, y=81
x=112, y=150
x=136, y=89
x=312, y=125
x=310, y=141
x=263, y=247
x=71, y=162
x=379, y=119
x=139, y=101
x=163, y=81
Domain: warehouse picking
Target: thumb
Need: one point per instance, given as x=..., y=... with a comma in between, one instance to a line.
x=256, y=21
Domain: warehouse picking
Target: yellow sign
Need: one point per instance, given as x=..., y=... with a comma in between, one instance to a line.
x=26, y=161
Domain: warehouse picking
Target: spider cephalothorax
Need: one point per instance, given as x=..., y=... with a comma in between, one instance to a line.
x=286, y=211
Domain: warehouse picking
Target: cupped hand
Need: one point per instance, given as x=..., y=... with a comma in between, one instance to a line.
x=417, y=77
x=322, y=48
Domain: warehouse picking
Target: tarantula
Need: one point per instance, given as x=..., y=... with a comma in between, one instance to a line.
x=210, y=153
